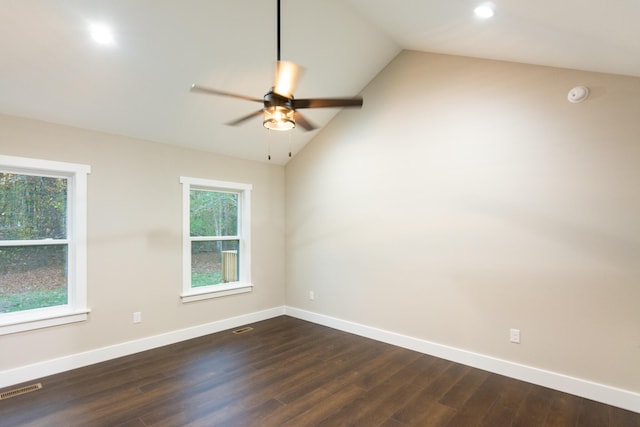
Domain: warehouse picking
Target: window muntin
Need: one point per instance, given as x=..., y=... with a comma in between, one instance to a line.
x=42, y=243
x=216, y=238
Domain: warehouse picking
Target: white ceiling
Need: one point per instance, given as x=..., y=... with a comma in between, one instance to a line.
x=51, y=70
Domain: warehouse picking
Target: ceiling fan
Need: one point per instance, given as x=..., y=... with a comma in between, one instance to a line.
x=279, y=106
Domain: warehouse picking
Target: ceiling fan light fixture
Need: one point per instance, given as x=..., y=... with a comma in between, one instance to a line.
x=278, y=117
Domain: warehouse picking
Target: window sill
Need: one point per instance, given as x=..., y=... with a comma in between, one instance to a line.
x=43, y=319
x=216, y=291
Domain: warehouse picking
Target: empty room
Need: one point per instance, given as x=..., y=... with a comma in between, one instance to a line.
x=319, y=213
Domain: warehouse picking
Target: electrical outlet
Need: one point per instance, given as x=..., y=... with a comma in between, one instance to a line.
x=137, y=317
x=514, y=336
x=312, y=295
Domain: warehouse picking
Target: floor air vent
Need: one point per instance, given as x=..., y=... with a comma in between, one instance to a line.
x=19, y=391
x=243, y=330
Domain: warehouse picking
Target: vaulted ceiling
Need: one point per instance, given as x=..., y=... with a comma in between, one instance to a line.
x=51, y=69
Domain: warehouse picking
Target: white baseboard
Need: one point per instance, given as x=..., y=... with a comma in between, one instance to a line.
x=49, y=367
x=599, y=392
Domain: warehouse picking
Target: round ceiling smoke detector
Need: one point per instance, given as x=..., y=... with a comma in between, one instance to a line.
x=578, y=94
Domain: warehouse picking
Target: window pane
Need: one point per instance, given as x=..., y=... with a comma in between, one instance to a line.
x=213, y=213
x=32, y=207
x=32, y=277
x=214, y=262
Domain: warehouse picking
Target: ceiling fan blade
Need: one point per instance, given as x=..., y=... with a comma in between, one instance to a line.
x=303, y=122
x=327, y=102
x=209, y=91
x=244, y=118
x=287, y=74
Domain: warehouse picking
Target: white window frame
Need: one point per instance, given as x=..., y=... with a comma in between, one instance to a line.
x=76, y=309
x=243, y=284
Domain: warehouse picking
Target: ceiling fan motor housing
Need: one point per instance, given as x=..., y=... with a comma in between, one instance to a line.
x=272, y=99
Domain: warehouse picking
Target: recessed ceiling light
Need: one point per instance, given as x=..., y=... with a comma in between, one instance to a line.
x=101, y=34
x=485, y=10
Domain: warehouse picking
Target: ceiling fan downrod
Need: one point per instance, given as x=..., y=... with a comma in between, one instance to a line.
x=278, y=29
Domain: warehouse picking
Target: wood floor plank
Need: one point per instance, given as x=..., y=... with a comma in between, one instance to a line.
x=463, y=389
x=534, y=408
x=245, y=391
x=434, y=414
x=622, y=418
x=426, y=404
x=344, y=369
x=376, y=415
x=511, y=396
x=136, y=422
x=446, y=380
x=564, y=411
x=594, y=414
x=316, y=414
x=302, y=403
x=390, y=423
x=425, y=369
x=236, y=415
x=479, y=403
x=289, y=372
x=375, y=406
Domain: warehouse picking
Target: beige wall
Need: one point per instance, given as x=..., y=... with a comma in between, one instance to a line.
x=468, y=197
x=134, y=237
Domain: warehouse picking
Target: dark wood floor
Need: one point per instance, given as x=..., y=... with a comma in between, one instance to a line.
x=287, y=372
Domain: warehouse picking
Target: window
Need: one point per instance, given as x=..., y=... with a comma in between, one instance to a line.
x=42, y=243
x=216, y=238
